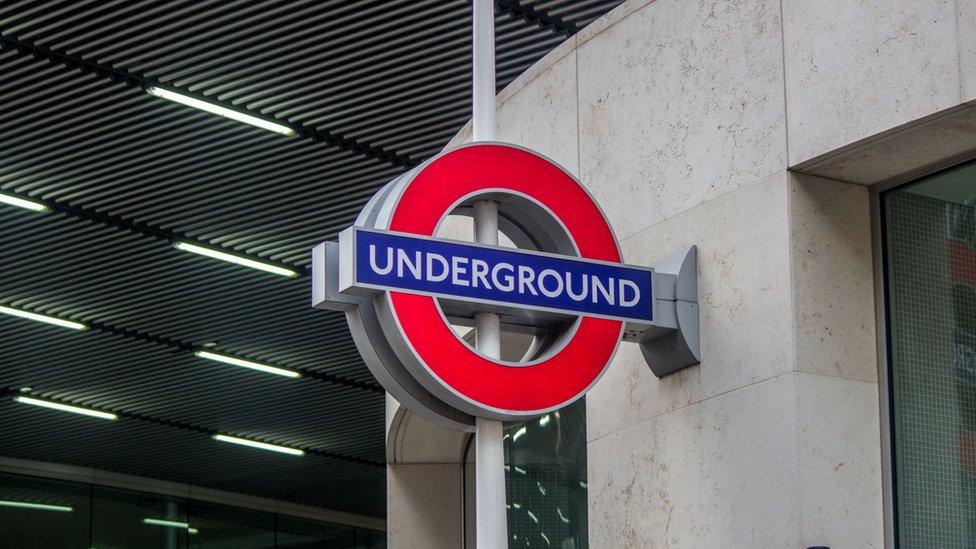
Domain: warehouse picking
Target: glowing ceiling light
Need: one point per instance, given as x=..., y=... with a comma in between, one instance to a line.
x=167, y=523
x=31, y=205
x=220, y=111
x=518, y=434
x=38, y=506
x=42, y=318
x=248, y=364
x=544, y=420
x=532, y=516
x=236, y=259
x=260, y=445
x=562, y=517
x=64, y=407
x=543, y=534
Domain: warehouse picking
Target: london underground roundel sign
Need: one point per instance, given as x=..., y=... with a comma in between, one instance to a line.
x=560, y=288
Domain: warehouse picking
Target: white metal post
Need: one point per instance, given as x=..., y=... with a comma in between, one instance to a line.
x=483, y=123
x=491, y=523
x=491, y=530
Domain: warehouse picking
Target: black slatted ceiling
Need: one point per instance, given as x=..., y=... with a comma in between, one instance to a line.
x=373, y=87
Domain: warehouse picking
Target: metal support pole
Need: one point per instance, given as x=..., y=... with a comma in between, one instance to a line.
x=484, y=71
x=491, y=522
x=491, y=530
x=170, y=534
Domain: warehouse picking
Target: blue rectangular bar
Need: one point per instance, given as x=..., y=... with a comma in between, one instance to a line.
x=470, y=272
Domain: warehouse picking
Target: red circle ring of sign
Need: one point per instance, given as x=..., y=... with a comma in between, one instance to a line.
x=522, y=390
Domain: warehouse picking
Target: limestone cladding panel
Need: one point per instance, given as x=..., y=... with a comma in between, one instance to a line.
x=542, y=116
x=720, y=473
x=680, y=102
x=857, y=68
x=839, y=457
x=744, y=299
x=832, y=278
x=424, y=506
x=967, y=47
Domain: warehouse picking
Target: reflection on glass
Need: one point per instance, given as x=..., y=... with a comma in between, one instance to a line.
x=222, y=526
x=546, y=480
x=545, y=475
x=370, y=539
x=122, y=519
x=40, y=514
x=307, y=534
x=46, y=514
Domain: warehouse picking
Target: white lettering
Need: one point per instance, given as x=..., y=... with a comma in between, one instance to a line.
x=509, y=280
x=372, y=260
x=607, y=291
x=404, y=260
x=623, y=284
x=552, y=283
x=569, y=288
x=549, y=273
x=479, y=270
x=431, y=277
x=457, y=269
x=525, y=277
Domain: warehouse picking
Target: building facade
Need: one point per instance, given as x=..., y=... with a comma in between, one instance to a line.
x=815, y=152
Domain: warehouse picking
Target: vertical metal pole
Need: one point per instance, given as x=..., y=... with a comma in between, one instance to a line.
x=491, y=528
x=169, y=534
x=484, y=71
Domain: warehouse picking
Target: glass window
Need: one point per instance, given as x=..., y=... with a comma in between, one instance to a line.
x=302, y=534
x=930, y=249
x=220, y=526
x=48, y=514
x=546, y=480
x=370, y=539
x=122, y=519
x=545, y=476
x=41, y=514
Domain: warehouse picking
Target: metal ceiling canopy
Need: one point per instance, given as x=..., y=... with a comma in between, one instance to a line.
x=371, y=88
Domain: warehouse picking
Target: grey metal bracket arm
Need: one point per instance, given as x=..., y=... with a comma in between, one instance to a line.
x=672, y=342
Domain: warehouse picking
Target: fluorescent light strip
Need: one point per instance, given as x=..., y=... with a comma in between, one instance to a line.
x=260, y=445
x=168, y=523
x=248, y=364
x=236, y=259
x=562, y=517
x=22, y=203
x=220, y=111
x=518, y=434
x=39, y=506
x=42, y=318
x=64, y=407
